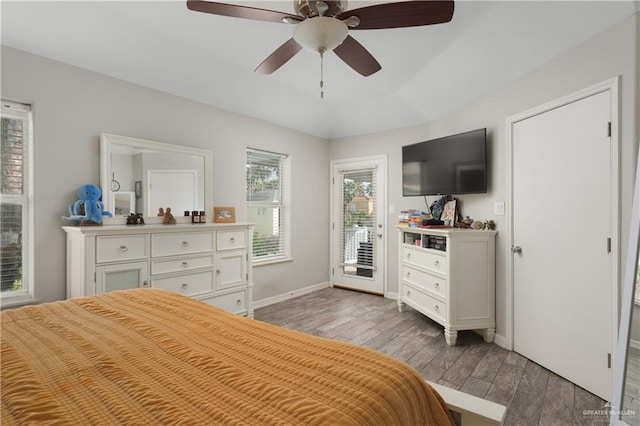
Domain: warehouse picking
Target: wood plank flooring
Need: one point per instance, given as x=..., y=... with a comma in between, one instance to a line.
x=532, y=394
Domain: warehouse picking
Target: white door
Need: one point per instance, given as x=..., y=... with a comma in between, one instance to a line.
x=171, y=188
x=358, y=225
x=562, y=225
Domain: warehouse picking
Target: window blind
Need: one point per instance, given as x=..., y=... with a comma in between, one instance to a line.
x=266, y=177
x=358, y=244
x=15, y=127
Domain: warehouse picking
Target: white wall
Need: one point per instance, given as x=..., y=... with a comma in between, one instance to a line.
x=71, y=107
x=611, y=53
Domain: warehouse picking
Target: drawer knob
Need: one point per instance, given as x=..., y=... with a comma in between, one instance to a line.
x=185, y=244
x=239, y=302
x=408, y=274
x=408, y=293
x=185, y=264
x=218, y=271
x=436, y=263
x=123, y=249
x=184, y=286
x=436, y=308
x=437, y=286
x=408, y=255
x=145, y=284
x=232, y=239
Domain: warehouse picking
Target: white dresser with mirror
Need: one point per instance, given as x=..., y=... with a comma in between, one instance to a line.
x=209, y=262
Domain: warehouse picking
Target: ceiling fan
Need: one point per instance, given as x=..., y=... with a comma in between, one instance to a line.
x=323, y=25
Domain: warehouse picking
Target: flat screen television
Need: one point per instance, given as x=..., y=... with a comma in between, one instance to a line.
x=450, y=165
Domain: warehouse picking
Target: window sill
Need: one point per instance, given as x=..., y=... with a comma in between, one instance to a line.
x=8, y=302
x=271, y=261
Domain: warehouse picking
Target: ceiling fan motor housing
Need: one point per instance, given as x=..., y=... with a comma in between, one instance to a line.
x=306, y=8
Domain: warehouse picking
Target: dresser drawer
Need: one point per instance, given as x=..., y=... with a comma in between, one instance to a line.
x=420, y=257
x=432, y=307
x=187, y=284
x=184, y=264
x=120, y=248
x=181, y=243
x=424, y=280
x=235, y=302
x=229, y=240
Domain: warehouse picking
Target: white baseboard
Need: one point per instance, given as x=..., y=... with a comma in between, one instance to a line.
x=392, y=296
x=501, y=341
x=290, y=295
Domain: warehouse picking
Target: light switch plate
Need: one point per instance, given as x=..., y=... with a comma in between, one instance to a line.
x=498, y=208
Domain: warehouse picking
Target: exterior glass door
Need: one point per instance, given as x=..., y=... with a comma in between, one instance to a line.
x=358, y=226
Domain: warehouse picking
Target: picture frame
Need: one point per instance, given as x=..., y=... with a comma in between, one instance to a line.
x=224, y=214
x=449, y=213
x=138, y=188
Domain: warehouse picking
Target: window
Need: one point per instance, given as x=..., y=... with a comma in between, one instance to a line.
x=267, y=204
x=15, y=204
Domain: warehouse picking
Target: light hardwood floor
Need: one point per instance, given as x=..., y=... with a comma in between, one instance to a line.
x=532, y=394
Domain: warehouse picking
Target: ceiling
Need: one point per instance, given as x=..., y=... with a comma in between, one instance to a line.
x=426, y=71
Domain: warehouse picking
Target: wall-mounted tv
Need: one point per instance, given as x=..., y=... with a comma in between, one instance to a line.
x=450, y=165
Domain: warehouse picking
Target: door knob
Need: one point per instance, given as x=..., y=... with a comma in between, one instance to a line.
x=516, y=249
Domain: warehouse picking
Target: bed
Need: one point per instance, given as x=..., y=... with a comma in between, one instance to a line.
x=148, y=356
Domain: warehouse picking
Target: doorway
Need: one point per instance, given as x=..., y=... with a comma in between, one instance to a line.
x=358, y=225
x=564, y=236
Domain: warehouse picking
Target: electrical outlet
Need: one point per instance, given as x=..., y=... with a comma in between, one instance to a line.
x=498, y=208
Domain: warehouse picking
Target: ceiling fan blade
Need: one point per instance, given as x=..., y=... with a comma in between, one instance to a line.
x=401, y=14
x=238, y=11
x=279, y=57
x=357, y=57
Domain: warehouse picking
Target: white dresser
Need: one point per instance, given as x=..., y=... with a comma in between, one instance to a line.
x=449, y=276
x=209, y=262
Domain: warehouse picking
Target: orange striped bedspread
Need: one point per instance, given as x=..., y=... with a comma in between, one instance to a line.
x=147, y=356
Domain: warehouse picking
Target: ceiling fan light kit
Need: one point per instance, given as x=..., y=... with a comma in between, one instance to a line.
x=320, y=34
x=323, y=25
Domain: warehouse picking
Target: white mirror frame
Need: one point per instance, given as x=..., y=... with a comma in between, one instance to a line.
x=106, y=140
x=626, y=310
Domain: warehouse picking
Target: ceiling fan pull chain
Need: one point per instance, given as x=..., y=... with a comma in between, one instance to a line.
x=321, y=74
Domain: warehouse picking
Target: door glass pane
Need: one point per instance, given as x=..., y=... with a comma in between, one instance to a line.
x=358, y=222
x=10, y=247
x=121, y=280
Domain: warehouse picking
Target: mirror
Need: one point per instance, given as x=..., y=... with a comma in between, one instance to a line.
x=625, y=408
x=141, y=176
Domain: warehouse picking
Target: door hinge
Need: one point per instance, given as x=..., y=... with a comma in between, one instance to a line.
x=94, y=277
x=609, y=360
x=609, y=129
x=333, y=271
x=608, y=245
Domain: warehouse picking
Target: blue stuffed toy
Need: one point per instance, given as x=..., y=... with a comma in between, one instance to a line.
x=88, y=207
